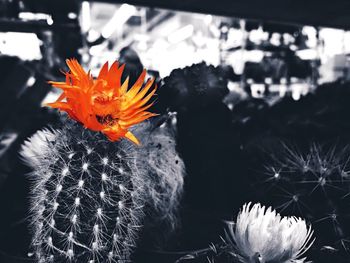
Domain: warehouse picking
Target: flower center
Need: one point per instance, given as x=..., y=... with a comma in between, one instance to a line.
x=106, y=119
x=103, y=98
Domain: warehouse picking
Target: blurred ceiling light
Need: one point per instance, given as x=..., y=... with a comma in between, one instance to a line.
x=293, y=47
x=257, y=90
x=288, y=39
x=142, y=45
x=333, y=41
x=85, y=58
x=72, y=15
x=268, y=81
x=234, y=87
x=122, y=15
x=160, y=44
x=224, y=29
x=298, y=90
x=141, y=37
x=33, y=16
x=307, y=54
x=235, y=37
x=296, y=95
x=181, y=34
x=97, y=49
x=311, y=33
x=282, y=90
x=49, y=21
x=258, y=35
x=214, y=30
x=31, y=81
x=11, y=43
x=275, y=39
x=168, y=26
x=347, y=42
x=199, y=39
x=92, y=35
x=253, y=55
x=85, y=16
x=208, y=19
x=29, y=16
x=309, y=30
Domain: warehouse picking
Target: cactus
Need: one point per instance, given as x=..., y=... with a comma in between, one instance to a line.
x=92, y=189
x=85, y=206
x=89, y=195
x=192, y=88
x=313, y=183
x=165, y=172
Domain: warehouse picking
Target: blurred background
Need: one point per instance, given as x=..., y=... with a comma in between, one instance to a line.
x=239, y=75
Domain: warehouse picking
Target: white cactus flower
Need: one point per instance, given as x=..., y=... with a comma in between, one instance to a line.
x=262, y=235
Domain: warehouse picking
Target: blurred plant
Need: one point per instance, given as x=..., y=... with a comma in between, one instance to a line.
x=261, y=235
x=90, y=196
x=193, y=87
x=313, y=183
x=165, y=172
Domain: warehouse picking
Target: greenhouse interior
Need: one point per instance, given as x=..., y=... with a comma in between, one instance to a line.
x=149, y=131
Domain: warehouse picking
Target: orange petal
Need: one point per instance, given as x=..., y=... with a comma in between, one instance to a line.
x=132, y=137
x=59, y=105
x=112, y=78
x=145, y=89
x=114, y=133
x=140, y=118
x=124, y=87
x=75, y=67
x=103, y=72
x=132, y=113
x=137, y=104
x=137, y=85
x=61, y=97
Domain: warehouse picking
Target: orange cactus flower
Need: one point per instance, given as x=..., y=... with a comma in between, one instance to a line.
x=104, y=104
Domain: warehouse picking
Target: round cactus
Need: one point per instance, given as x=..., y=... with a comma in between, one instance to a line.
x=89, y=195
x=193, y=87
x=313, y=183
x=86, y=202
